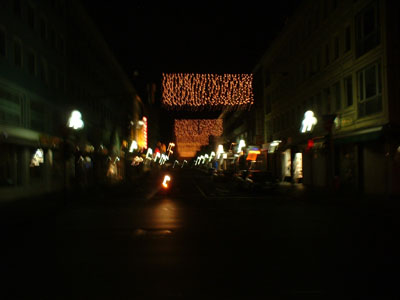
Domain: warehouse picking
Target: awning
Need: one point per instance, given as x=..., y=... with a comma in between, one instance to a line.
x=359, y=136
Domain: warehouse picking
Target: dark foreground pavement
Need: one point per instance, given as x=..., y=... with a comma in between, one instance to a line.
x=200, y=241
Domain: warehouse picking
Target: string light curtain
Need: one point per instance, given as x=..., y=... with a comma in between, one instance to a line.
x=207, y=91
x=191, y=134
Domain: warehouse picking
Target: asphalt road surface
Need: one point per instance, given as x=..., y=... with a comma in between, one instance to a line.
x=201, y=241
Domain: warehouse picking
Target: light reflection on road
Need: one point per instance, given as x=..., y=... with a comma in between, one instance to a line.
x=162, y=214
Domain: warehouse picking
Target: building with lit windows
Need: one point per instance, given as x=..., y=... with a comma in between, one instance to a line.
x=340, y=61
x=53, y=60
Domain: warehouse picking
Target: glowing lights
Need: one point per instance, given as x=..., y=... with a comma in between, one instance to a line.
x=213, y=91
x=308, y=122
x=137, y=160
x=149, y=153
x=191, y=134
x=252, y=155
x=220, y=151
x=169, y=150
x=275, y=143
x=241, y=145
x=145, y=131
x=167, y=178
x=75, y=120
x=38, y=158
x=212, y=155
x=133, y=146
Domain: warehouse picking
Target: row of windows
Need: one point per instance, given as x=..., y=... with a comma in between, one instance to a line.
x=37, y=22
x=366, y=38
x=339, y=96
x=36, y=66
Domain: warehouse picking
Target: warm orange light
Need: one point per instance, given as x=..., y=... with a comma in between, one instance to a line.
x=191, y=134
x=212, y=91
x=252, y=155
x=165, y=181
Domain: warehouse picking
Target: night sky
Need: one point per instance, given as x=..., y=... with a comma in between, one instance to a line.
x=153, y=37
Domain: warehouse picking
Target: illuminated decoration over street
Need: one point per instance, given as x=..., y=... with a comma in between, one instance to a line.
x=308, y=122
x=75, y=120
x=207, y=91
x=191, y=134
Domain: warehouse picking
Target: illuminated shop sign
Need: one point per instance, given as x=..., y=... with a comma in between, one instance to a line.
x=75, y=120
x=309, y=122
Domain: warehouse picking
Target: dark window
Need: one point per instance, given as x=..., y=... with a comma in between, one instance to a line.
x=31, y=17
x=347, y=39
x=367, y=29
x=43, y=71
x=31, y=63
x=52, y=77
x=60, y=42
x=268, y=104
x=52, y=38
x=327, y=54
x=43, y=29
x=336, y=47
x=325, y=8
x=61, y=82
x=17, y=54
x=338, y=96
x=17, y=8
x=348, y=87
x=319, y=103
x=327, y=100
x=369, y=90
x=267, y=78
x=2, y=43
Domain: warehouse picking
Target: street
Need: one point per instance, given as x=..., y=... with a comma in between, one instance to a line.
x=198, y=240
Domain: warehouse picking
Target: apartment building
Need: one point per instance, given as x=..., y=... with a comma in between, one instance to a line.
x=53, y=60
x=330, y=94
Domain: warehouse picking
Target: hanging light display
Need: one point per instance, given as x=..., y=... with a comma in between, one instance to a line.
x=207, y=91
x=191, y=134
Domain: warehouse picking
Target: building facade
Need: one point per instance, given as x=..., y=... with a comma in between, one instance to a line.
x=53, y=60
x=340, y=61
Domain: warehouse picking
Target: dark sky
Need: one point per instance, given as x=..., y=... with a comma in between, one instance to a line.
x=153, y=37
